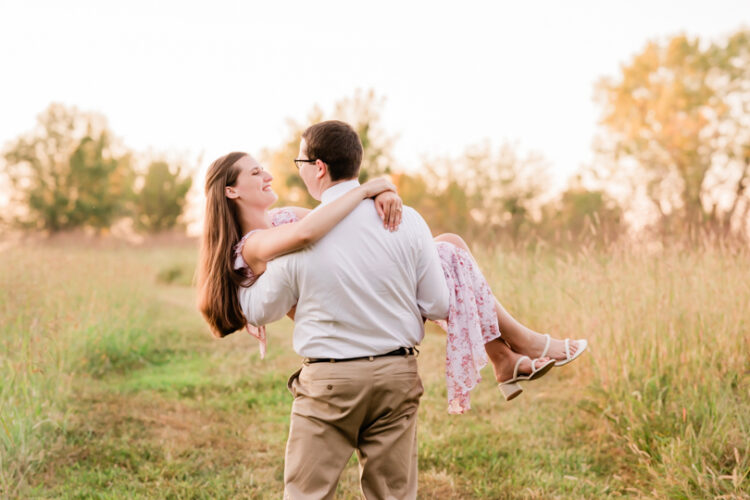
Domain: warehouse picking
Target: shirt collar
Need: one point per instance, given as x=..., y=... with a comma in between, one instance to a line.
x=337, y=190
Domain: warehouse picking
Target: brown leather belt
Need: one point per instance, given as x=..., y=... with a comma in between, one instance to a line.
x=401, y=351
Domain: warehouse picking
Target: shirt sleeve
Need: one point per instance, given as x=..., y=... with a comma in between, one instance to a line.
x=432, y=290
x=272, y=295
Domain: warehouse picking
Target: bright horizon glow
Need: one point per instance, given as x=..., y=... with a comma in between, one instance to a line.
x=179, y=77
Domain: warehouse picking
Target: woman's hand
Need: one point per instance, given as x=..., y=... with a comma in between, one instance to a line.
x=376, y=186
x=388, y=204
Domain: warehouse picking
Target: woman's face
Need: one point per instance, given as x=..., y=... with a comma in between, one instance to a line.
x=253, y=185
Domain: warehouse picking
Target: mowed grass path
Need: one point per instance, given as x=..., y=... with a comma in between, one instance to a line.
x=112, y=387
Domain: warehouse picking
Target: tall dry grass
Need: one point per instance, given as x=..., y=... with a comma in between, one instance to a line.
x=670, y=343
x=663, y=393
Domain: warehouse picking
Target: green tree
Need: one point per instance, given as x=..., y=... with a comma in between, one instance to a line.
x=69, y=172
x=161, y=200
x=678, y=112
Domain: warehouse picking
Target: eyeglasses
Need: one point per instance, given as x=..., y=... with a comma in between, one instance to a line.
x=298, y=161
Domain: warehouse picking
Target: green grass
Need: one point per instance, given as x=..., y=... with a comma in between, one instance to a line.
x=112, y=387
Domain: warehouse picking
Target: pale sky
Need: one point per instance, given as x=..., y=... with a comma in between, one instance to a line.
x=211, y=77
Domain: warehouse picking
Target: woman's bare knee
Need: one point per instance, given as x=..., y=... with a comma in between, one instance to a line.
x=453, y=239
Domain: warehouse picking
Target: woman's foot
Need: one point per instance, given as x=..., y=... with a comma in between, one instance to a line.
x=535, y=343
x=573, y=349
x=524, y=340
x=504, y=361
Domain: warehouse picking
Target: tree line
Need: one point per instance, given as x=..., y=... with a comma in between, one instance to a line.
x=71, y=172
x=672, y=157
x=489, y=195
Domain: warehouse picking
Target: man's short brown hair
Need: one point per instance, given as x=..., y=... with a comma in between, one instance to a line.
x=337, y=144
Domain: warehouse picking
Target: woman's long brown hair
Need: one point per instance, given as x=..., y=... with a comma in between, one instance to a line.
x=217, y=278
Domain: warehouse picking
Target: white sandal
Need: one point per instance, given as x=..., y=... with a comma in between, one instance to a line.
x=511, y=388
x=582, y=345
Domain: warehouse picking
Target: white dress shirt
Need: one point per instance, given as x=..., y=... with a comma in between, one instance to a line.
x=360, y=290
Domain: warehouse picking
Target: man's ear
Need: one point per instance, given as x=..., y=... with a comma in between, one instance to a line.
x=230, y=192
x=322, y=169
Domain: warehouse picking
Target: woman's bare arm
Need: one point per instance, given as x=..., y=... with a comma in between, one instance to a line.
x=388, y=204
x=267, y=244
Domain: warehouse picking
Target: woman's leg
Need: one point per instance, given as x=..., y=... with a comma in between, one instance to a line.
x=504, y=359
x=519, y=337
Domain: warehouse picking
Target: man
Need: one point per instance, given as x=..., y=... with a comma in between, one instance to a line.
x=361, y=294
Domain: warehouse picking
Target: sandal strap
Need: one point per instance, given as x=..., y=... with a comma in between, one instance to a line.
x=518, y=363
x=534, y=368
x=546, y=346
x=567, y=348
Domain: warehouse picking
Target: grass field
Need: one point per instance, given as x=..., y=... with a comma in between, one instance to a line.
x=112, y=387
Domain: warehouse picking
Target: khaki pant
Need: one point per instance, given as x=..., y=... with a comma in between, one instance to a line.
x=367, y=405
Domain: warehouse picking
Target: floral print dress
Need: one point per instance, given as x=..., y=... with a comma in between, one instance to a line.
x=471, y=321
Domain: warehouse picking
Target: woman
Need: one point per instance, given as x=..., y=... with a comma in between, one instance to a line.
x=238, y=195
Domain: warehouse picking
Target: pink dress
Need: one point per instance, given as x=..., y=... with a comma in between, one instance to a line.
x=471, y=321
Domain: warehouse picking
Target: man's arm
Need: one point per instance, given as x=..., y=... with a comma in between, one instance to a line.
x=272, y=295
x=432, y=290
